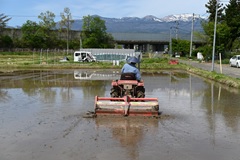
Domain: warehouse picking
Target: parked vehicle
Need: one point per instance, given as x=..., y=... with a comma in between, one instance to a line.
x=84, y=56
x=235, y=61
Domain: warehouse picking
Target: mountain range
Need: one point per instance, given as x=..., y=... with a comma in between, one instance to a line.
x=181, y=23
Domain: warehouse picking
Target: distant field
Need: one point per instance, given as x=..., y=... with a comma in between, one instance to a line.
x=26, y=58
x=45, y=61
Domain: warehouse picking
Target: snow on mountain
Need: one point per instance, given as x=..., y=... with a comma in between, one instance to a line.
x=147, y=24
x=180, y=17
x=150, y=17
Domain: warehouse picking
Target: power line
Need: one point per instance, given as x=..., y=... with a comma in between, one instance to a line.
x=20, y=16
x=36, y=16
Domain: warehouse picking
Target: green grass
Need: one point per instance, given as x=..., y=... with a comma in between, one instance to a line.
x=221, y=78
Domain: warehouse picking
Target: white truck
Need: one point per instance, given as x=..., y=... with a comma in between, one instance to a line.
x=84, y=56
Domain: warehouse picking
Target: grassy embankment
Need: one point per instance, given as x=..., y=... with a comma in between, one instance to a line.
x=33, y=61
x=156, y=64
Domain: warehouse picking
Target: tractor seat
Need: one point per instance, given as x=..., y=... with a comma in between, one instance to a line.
x=128, y=76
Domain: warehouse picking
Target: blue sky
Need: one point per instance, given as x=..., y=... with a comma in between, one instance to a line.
x=23, y=10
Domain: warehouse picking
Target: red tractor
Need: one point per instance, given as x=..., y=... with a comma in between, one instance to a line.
x=128, y=86
x=127, y=98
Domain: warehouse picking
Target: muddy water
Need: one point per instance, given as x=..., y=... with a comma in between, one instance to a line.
x=41, y=118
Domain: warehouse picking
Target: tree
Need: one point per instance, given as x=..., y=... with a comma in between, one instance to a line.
x=211, y=9
x=66, y=23
x=222, y=32
x=94, y=33
x=222, y=37
x=3, y=21
x=47, y=20
x=47, y=24
x=32, y=35
x=180, y=46
x=6, y=42
x=233, y=20
x=228, y=25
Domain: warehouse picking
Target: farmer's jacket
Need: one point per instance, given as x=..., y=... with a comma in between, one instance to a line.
x=131, y=68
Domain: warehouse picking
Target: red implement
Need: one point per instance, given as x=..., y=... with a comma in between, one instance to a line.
x=126, y=106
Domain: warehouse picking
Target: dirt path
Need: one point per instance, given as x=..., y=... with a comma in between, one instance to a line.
x=226, y=69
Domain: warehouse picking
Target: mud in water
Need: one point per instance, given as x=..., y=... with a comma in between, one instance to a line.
x=41, y=117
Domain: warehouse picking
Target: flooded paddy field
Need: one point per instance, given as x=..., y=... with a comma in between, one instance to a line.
x=41, y=117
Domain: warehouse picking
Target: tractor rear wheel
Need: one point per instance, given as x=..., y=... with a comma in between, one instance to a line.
x=114, y=92
x=140, y=94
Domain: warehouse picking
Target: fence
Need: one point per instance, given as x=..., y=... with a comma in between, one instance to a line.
x=35, y=56
x=111, y=54
x=54, y=56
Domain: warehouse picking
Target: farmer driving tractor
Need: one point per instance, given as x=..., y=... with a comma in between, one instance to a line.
x=127, y=95
x=130, y=71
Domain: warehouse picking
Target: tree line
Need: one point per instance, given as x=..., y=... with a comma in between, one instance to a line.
x=93, y=35
x=227, y=20
x=49, y=34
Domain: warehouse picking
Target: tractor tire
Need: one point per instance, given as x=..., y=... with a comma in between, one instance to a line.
x=140, y=94
x=114, y=93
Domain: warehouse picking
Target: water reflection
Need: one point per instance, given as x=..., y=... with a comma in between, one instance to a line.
x=223, y=104
x=44, y=83
x=96, y=75
x=129, y=132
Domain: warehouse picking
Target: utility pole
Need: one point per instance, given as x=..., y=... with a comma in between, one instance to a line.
x=214, y=39
x=177, y=23
x=67, y=33
x=170, y=42
x=80, y=40
x=191, y=37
